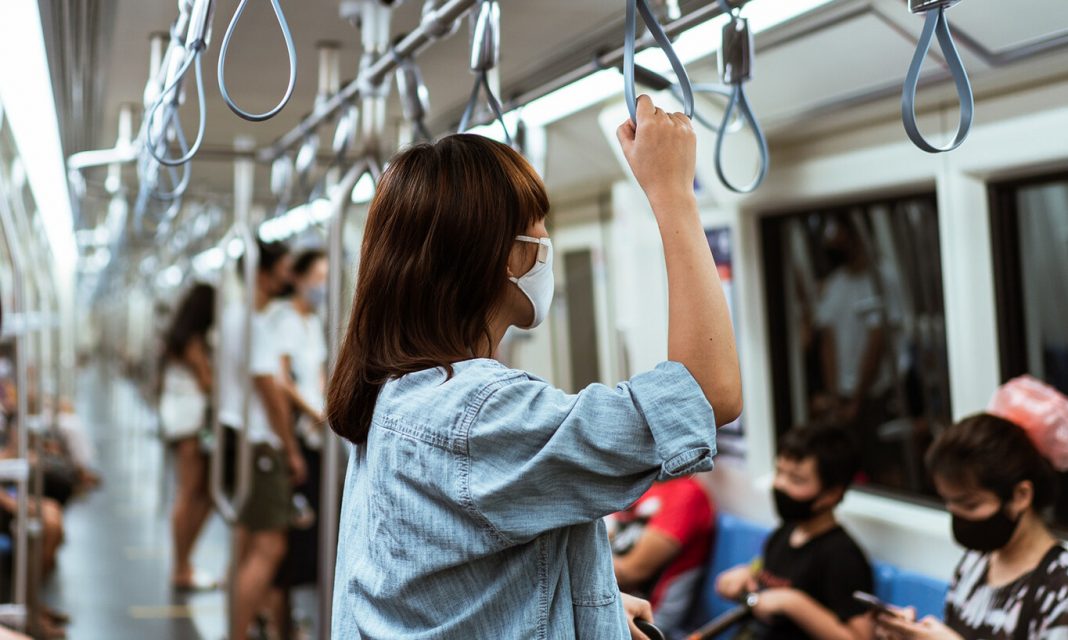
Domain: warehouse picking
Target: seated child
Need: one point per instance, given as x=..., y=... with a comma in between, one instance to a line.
x=803, y=587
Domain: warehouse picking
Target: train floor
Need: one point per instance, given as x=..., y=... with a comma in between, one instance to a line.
x=114, y=569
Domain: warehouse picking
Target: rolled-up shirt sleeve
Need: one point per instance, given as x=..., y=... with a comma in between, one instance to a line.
x=539, y=459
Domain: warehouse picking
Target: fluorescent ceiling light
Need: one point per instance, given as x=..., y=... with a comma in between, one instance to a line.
x=30, y=108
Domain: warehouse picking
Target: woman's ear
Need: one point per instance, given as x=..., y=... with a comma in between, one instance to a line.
x=1023, y=496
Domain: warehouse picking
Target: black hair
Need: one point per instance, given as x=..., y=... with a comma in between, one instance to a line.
x=271, y=253
x=193, y=318
x=835, y=452
x=306, y=259
x=996, y=455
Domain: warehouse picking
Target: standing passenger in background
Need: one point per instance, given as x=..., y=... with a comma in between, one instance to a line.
x=276, y=459
x=183, y=411
x=856, y=310
x=475, y=493
x=302, y=343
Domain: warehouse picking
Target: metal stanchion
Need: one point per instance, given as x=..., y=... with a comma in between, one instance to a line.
x=230, y=508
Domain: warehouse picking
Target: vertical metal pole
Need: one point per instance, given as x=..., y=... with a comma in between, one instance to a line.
x=375, y=33
x=331, y=469
x=20, y=311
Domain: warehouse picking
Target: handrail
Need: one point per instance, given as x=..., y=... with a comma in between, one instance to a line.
x=329, y=495
x=291, y=50
x=228, y=508
x=433, y=24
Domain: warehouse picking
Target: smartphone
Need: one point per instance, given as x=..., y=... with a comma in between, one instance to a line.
x=874, y=604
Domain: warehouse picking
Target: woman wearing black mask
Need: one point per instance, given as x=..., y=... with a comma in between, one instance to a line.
x=1010, y=585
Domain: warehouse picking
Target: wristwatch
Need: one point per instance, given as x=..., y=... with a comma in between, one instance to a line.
x=751, y=599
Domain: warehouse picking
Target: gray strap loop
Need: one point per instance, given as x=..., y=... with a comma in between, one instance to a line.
x=634, y=8
x=937, y=24
x=485, y=51
x=291, y=50
x=741, y=102
x=735, y=67
x=193, y=60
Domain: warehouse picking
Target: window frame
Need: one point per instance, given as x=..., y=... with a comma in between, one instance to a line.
x=769, y=231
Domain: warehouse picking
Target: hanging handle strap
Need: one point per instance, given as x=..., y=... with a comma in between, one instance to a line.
x=735, y=69
x=485, y=54
x=170, y=97
x=414, y=96
x=937, y=24
x=291, y=50
x=630, y=44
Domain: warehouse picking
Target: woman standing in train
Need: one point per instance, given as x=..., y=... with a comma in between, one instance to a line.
x=300, y=332
x=186, y=389
x=475, y=493
x=997, y=480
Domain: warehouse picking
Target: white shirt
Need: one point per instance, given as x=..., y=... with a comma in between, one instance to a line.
x=302, y=338
x=851, y=307
x=265, y=361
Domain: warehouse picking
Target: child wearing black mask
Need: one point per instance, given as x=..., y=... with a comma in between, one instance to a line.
x=803, y=587
x=1012, y=581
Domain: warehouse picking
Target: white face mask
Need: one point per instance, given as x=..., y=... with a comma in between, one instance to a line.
x=538, y=285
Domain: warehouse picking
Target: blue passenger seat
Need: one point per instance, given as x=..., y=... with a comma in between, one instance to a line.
x=738, y=541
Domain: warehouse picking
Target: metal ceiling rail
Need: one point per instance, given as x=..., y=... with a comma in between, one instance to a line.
x=614, y=57
x=373, y=75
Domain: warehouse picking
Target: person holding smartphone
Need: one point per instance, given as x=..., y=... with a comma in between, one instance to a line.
x=996, y=483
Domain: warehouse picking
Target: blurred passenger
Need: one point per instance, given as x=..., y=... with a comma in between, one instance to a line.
x=276, y=458
x=1012, y=582
x=661, y=545
x=475, y=493
x=857, y=306
x=302, y=342
x=803, y=586
x=183, y=410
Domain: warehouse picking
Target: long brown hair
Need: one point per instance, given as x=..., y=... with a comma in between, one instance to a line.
x=433, y=267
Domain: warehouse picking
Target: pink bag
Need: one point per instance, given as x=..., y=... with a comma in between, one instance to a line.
x=1038, y=409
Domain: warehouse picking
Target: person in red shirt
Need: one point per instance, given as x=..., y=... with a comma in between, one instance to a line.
x=661, y=545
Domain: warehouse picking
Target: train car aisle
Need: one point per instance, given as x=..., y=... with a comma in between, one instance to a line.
x=114, y=569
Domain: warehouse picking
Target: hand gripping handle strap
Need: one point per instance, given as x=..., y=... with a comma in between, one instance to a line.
x=937, y=24
x=634, y=8
x=291, y=50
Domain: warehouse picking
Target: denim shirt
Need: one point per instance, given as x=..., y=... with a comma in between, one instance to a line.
x=474, y=510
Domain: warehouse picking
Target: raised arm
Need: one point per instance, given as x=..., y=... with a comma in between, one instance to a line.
x=662, y=153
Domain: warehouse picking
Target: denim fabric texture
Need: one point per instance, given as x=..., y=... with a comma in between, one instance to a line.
x=474, y=510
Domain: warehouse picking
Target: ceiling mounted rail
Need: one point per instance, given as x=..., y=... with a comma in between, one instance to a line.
x=434, y=22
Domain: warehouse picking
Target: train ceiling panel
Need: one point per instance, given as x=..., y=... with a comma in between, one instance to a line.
x=804, y=73
x=1002, y=27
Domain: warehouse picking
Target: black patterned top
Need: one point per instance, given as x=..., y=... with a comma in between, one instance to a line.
x=977, y=610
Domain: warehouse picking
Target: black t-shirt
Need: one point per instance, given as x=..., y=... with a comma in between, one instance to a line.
x=829, y=568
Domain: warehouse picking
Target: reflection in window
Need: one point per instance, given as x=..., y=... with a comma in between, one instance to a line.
x=1030, y=231
x=857, y=330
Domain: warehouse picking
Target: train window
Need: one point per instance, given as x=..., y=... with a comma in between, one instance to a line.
x=1030, y=232
x=857, y=330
